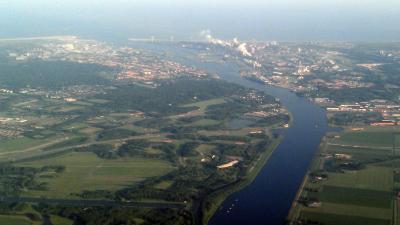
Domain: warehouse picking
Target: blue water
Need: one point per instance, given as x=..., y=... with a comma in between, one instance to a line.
x=268, y=199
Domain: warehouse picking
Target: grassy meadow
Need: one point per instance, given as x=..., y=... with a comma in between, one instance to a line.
x=86, y=171
x=359, y=184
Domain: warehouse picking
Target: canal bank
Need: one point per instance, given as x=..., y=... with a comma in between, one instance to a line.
x=211, y=203
x=268, y=198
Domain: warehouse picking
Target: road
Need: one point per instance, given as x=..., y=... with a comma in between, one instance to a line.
x=88, y=203
x=68, y=148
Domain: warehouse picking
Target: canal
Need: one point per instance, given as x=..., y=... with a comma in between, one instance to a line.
x=267, y=200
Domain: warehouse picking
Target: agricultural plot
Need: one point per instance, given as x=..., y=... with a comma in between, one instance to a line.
x=58, y=220
x=372, y=138
x=202, y=105
x=352, y=181
x=372, y=177
x=23, y=215
x=130, y=143
x=327, y=218
x=85, y=171
x=25, y=146
x=16, y=220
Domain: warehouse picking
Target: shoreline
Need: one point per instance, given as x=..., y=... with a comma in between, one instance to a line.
x=238, y=187
x=293, y=211
x=217, y=197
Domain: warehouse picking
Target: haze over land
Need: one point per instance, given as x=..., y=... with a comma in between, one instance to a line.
x=286, y=20
x=199, y=112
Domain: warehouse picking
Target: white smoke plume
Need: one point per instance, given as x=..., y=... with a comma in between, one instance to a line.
x=242, y=48
x=235, y=43
x=206, y=34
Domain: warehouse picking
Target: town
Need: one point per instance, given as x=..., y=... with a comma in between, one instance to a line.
x=389, y=112
x=340, y=77
x=128, y=63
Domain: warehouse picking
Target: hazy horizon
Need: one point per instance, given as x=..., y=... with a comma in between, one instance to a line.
x=287, y=20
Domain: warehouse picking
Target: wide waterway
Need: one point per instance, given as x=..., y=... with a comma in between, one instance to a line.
x=268, y=199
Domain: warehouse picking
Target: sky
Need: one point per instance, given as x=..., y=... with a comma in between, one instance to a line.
x=281, y=20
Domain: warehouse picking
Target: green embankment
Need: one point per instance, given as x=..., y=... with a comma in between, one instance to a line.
x=215, y=199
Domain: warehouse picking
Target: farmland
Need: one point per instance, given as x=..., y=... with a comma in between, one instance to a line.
x=124, y=142
x=86, y=171
x=353, y=180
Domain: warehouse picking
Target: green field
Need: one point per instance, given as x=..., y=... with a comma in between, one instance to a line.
x=337, y=219
x=372, y=177
x=353, y=195
x=373, y=138
x=22, y=144
x=362, y=153
x=205, y=122
x=85, y=171
x=57, y=220
x=25, y=146
x=349, y=210
x=15, y=220
x=164, y=185
x=129, y=142
x=202, y=105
